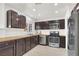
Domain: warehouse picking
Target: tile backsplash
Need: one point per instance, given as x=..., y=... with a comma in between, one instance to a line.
x=8, y=31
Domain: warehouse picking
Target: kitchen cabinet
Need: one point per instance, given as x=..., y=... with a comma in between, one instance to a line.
x=41, y=25
x=62, y=24
x=37, y=25
x=27, y=44
x=36, y=40
x=7, y=48
x=32, y=40
x=62, y=41
x=54, y=24
x=20, y=47
x=12, y=20
x=21, y=21
x=44, y=25
x=15, y=21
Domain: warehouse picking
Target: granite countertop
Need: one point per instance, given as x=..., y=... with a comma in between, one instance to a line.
x=15, y=37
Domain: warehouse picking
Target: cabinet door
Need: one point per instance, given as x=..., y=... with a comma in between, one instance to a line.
x=7, y=48
x=9, y=18
x=7, y=51
x=62, y=41
x=32, y=42
x=36, y=40
x=44, y=25
x=62, y=24
x=37, y=26
x=41, y=25
x=27, y=44
x=22, y=21
x=12, y=21
x=20, y=47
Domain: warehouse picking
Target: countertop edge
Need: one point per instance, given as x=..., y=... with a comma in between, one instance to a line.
x=9, y=38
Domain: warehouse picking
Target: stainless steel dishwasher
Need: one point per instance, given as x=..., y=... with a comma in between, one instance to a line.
x=42, y=40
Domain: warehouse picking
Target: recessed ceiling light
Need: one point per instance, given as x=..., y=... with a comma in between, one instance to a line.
x=56, y=12
x=34, y=9
x=55, y=4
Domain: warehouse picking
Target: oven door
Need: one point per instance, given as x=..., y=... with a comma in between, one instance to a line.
x=54, y=41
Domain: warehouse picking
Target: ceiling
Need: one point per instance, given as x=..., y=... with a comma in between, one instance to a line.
x=40, y=11
x=17, y=6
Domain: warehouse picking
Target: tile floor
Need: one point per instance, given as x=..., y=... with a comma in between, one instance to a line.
x=40, y=50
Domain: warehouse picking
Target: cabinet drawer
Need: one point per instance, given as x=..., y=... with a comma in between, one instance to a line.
x=7, y=51
x=7, y=48
x=3, y=44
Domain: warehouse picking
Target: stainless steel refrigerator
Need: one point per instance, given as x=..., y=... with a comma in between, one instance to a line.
x=73, y=34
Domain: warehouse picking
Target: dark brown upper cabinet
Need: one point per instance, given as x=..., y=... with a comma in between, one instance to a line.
x=62, y=24
x=41, y=25
x=14, y=20
x=21, y=21
x=54, y=24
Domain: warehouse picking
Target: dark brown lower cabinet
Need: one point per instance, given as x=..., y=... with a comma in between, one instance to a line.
x=62, y=41
x=27, y=44
x=7, y=48
x=36, y=40
x=20, y=47
x=32, y=40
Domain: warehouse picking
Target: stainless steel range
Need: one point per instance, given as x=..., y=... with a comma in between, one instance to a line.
x=54, y=39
